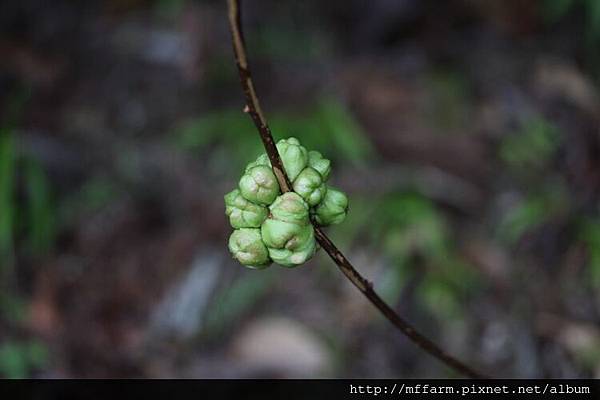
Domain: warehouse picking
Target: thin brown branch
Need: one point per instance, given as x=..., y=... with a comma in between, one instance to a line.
x=252, y=104
x=255, y=112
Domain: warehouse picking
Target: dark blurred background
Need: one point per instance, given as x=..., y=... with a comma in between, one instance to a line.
x=464, y=131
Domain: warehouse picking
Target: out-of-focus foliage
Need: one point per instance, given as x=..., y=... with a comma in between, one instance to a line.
x=40, y=211
x=449, y=106
x=28, y=215
x=532, y=211
x=19, y=359
x=531, y=147
x=327, y=126
x=590, y=235
x=416, y=239
x=27, y=227
x=7, y=194
x=170, y=9
x=465, y=133
x=232, y=302
x=32, y=219
x=12, y=308
x=280, y=42
x=92, y=196
x=554, y=10
x=529, y=153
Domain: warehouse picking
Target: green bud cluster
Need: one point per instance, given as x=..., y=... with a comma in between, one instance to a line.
x=275, y=227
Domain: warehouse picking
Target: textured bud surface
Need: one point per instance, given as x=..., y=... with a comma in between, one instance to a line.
x=333, y=208
x=247, y=247
x=296, y=254
x=310, y=186
x=263, y=159
x=259, y=185
x=243, y=213
x=293, y=155
x=290, y=207
x=322, y=165
x=279, y=234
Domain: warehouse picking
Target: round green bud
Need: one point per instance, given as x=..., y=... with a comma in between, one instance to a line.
x=243, y=213
x=247, y=247
x=287, y=232
x=290, y=207
x=322, y=165
x=259, y=185
x=332, y=209
x=293, y=155
x=310, y=186
x=279, y=234
x=263, y=159
x=301, y=252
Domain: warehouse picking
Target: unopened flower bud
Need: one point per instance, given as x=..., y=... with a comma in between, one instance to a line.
x=259, y=185
x=278, y=234
x=310, y=186
x=263, y=159
x=322, y=165
x=287, y=232
x=247, y=247
x=290, y=207
x=296, y=254
x=293, y=155
x=243, y=213
x=332, y=209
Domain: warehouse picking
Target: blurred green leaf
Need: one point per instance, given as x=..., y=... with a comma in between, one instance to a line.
x=37, y=354
x=440, y=298
x=346, y=134
x=532, y=212
x=40, y=209
x=12, y=308
x=94, y=194
x=18, y=359
x=395, y=279
x=553, y=10
x=532, y=146
x=409, y=222
x=328, y=127
x=448, y=107
x=97, y=193
x=232, y=302
x=13, y=361
x=279, y=42
x=7, y=182
x=414, y=234
x=589, y=233
x=361, y=211
x=527, y=215
x=169, y=8
x=450, y=279
x=230, y=128
x=11, y=114
x=219, y=72
x=593, y=14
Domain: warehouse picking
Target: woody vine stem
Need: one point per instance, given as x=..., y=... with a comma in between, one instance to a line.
x=366, y=288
